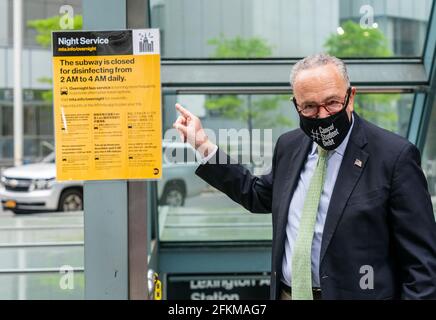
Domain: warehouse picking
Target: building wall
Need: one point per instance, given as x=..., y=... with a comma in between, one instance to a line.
x=38, y=114
x=36, y=65
x=3, y=22
x=416, y=10
x=36, y=60
x=189, y=25
x=403, y=22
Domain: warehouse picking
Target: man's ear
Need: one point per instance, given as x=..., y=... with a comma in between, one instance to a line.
x=351, y=102
x=353, y=91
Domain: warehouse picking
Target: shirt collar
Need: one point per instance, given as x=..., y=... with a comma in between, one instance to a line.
x=341, y=149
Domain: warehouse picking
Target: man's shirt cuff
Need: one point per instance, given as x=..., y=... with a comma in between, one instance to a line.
x=204, y=160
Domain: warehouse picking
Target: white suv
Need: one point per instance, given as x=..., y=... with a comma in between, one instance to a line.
x=33, y=187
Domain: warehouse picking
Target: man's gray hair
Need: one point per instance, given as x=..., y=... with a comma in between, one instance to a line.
x=316, y=60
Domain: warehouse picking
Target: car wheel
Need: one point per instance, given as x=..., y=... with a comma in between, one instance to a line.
x=173, y=195
x=71, y=200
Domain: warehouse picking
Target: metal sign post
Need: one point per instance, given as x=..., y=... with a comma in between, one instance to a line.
x=116, y=248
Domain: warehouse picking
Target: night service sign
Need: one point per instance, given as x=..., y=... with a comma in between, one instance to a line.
x=107, y=105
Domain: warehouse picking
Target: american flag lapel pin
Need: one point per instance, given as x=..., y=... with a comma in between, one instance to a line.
x=358, y=163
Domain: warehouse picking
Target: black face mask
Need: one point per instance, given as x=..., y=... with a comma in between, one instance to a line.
x=327, y=132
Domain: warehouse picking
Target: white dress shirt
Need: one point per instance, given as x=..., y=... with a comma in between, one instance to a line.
x=334, y=160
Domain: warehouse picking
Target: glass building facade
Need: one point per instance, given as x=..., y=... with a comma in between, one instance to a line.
x=38, y=114
x=274, y=31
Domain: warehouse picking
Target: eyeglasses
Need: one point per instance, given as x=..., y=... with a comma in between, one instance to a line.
x=332, y=106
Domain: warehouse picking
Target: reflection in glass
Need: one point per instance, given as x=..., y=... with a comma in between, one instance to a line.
x=39, y=19
x=33, y=248
x=40, y=286
x=38, y=132
x=429, y=157
x=195, y=211
x=290, y=28
x=389, y=111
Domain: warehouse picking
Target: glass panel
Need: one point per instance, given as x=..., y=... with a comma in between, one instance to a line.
x=7, y=120
x=38, y=132
x=35, y=10
x=190, y=210
x=207, y=215
x=429, y=157
x=74, y=219
x=6, y=150
x=40, y=17
x=41, y=257
x=52, y=235
x=30, y=120
x=42, y=228
x=389, y=111
x=45, y=120
x=30, y=270
x=6, y=139
x=41, y=286
x=4, y=18
x=290, y=28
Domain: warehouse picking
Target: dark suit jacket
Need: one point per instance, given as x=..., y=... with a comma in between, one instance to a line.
x=380, y=213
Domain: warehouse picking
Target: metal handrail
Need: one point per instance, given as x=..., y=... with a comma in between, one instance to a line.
x=52, y=227
x=42, y=244
x=38, y=270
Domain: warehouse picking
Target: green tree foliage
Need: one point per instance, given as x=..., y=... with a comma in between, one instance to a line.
x=357, y=42
x=240, y=48
x=44, y=28
x=47, y=95
x=259, y=113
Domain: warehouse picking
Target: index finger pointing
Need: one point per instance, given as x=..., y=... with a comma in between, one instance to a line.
x=184, y=111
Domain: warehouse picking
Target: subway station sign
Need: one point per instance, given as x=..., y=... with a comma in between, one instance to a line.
x=107, y=104
x=218, y=287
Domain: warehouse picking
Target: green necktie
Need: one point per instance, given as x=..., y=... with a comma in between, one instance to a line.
x=301, y=275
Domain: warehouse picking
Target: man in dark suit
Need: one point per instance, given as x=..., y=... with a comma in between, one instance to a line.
x=352, y=217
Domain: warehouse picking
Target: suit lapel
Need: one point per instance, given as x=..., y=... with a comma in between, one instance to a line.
x=295, y=163
x=350, y=171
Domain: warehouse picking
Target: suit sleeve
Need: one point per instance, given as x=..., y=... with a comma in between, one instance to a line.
x=414, y=227
x=252, y=192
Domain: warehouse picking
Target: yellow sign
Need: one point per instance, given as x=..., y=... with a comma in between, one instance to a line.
x=107, y=105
